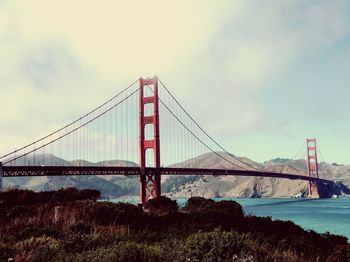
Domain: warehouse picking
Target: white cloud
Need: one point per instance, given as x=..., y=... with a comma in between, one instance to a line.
x=59, y=59
x=122, y=38
x=254, y=47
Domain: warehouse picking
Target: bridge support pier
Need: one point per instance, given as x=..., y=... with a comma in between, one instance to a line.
x=314, y=190
x=1, y=175
x=149, y=180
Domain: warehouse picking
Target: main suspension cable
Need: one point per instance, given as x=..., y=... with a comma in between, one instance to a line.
x=70, y=124
x=293, y=158
x=200, y=127
x=325, y=163
x=73, y=130
x=194, y=135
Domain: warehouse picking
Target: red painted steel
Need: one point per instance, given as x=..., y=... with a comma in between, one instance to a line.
x=149, y=179
x=21, y=171
x=312, y=167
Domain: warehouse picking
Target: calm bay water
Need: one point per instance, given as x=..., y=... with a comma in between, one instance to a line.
x=320, y=215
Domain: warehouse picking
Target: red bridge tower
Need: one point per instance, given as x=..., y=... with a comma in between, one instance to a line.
x=149, y=180
x=312, y=167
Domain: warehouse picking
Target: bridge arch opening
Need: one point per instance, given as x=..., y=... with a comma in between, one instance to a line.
x=148, y=109
x=149, y=131
x=149, y=158
x=148, y=91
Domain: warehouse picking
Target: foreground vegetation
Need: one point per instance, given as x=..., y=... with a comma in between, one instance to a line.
x=71, y=225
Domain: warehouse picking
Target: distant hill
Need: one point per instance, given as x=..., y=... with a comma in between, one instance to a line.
x=209, y=186
x=186, y=186
x=110, y=186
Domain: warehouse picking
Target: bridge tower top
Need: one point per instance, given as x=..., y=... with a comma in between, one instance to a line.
x=312, y=167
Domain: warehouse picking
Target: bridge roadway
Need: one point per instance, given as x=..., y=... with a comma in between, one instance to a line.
x=22, y=171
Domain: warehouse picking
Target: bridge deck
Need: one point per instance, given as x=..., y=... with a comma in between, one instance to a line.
x=21, y=171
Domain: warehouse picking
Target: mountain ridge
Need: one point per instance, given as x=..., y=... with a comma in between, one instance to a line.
x=207, y=186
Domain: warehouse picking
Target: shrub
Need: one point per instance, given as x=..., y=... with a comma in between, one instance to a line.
x=104, y=231
x=214, y=246
x=80, y=228
x=73, y=194
x=77, y=243
x=106, y=213
x=123, y=251
x=39, y=249
x=207, y=214
x=161, y=205
x=230, y=207
x=195, y=204
x=37, y=231
x=341, y=253
x=6, y=251
x=200, y=204
x=17, y=211
x=18, y=197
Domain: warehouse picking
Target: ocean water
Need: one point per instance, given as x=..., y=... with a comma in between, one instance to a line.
x=321, y=215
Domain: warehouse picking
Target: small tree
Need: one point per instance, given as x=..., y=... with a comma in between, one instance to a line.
x=195, y=204
x=161, y=205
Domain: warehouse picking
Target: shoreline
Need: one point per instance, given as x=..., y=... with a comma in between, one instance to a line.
x=262, y=208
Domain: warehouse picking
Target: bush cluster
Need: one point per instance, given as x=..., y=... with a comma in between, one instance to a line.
x=20, y=197
x=203, y=230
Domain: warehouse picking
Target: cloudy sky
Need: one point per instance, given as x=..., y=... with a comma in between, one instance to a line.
x=260, y=76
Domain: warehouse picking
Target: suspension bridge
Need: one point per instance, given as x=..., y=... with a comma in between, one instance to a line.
x=142, y=131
